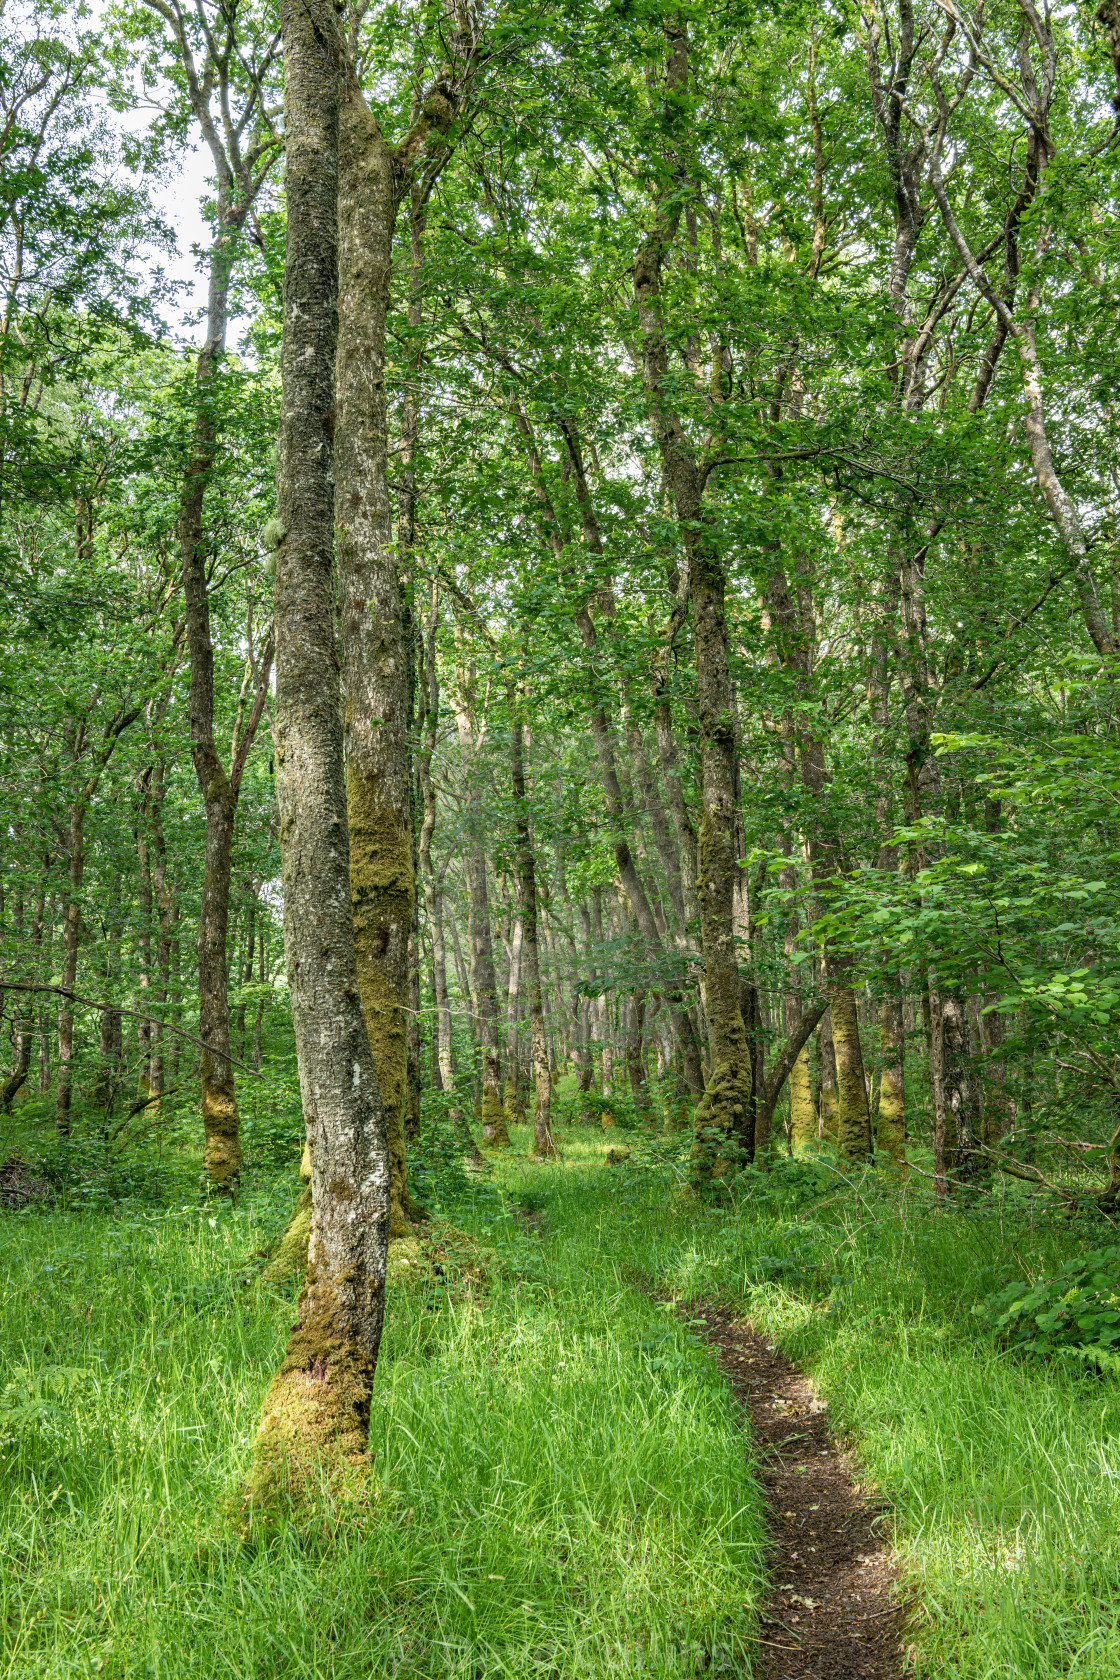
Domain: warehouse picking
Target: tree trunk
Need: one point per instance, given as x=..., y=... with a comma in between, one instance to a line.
x=375, y=676
x=890, y=1132
x=512, y=1101
x=829, y=1101
x=317, y=1407
x=526, y=867
x=962, y=1117
x=720, y=1112
x=483, y=984
x=803, y=1120
x=853, y=1129
x=71, y=938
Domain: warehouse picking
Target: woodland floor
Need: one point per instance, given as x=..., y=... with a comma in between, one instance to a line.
x=615, y=1434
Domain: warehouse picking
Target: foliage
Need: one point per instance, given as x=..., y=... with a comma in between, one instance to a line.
x=1075, y=1313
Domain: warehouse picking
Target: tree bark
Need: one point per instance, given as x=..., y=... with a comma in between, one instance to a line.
x=483, y=984
x=317, y=1408
x=543, y=1145
x=375, y=677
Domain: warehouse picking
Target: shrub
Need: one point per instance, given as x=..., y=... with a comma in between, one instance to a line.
x=1075, y=1314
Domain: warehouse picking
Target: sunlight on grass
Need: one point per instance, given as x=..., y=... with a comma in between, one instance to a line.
x=558, y=1486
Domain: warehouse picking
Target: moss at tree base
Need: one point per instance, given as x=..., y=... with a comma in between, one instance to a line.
x=315, y=1418
x=495, y=1132
x=717, y=1126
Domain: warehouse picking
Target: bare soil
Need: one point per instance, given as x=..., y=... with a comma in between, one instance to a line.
x=833, y=1611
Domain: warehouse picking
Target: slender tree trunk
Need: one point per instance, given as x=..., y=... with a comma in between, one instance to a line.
x=853, y=1131
x=803, y=1120
x=962, y=1116
x=512, y=1094
x=483, y=984
x=720, y=1113
x=526, y=866
x=890, y=1131
x=162, y=895
x=71, y=938
x=829, y=1100
x=317, y=1407
x=25, y=1017
x=374, y=657
x=144, y=940
x=942, y=1139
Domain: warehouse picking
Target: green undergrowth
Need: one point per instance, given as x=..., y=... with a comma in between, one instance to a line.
x=558, y=1484
x=1003, y=1472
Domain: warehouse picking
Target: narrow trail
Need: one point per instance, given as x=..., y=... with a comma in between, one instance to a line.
x=832, y=1611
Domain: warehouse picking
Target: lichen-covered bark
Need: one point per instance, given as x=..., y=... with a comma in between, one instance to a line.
x=316, y=1412
x=218, y=787
x=829, y=1100
x=853, y=1120
x=374, y=656
x=962, y=1106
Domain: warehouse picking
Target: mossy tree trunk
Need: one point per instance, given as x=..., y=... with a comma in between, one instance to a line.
x=803, y=1120
x=853, y=1119
x=890, y=1131
x=375, y=178
x=720, y=1111
x=374, y=657
x=829, y=1099
x=316, y=1412
x=512, y=1095
x=219, y=789
x=962, y=1105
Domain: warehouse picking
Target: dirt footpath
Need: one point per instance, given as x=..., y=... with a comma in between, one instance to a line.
x=833, y=1610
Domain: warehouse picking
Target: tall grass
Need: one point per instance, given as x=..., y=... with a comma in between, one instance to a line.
x=558, y=1485
x=1003, y=1476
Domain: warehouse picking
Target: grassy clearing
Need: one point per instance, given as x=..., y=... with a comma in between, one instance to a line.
x=559, y=1486
x=1005, y=1476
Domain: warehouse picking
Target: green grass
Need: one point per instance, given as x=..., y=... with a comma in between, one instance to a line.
x=1004, y=1476
x=559, y=1485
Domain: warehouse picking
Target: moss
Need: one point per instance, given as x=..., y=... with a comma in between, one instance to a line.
x=616, y=1154
x=891, y=1129
x=221, y=1124
x=853, y=1129
x=289, y=1257
x=315, y=1419
x=803, y=1121
x=381, y=891
x=442, y=1258
x=511, y=1104
x=717, y=1125
x=495, y=1132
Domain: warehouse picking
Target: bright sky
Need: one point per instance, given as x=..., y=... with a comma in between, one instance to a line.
x=178, y=203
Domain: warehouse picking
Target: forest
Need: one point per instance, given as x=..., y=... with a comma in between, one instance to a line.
x=559, y=839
